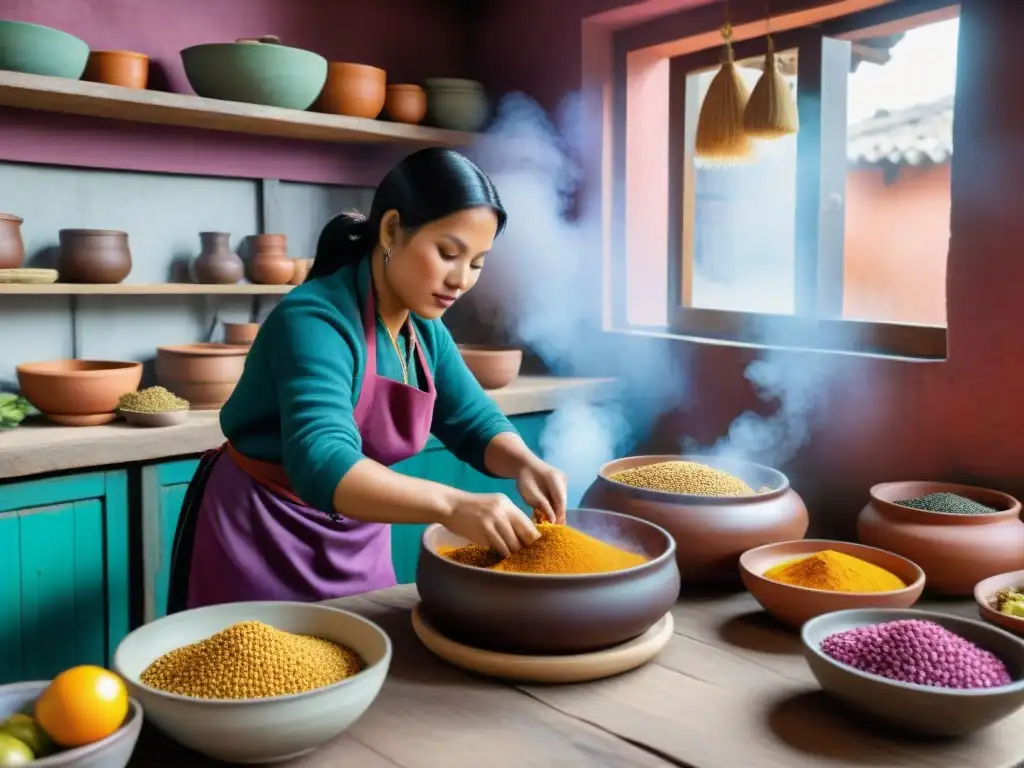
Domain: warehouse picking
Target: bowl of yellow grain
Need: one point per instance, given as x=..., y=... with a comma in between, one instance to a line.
x=795, y=581
x=255, y=682
x=715, y=507
x=597, y=581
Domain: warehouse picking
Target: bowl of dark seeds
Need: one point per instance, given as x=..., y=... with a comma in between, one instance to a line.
x=153, y=407
x=958, y=534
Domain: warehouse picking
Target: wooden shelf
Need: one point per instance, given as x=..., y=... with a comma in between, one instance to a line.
x=142, y=289
x=77, y=97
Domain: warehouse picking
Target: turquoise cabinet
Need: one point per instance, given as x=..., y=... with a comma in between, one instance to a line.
x=64, y=583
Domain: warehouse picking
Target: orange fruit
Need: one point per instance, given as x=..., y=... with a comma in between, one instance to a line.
x=82, y=705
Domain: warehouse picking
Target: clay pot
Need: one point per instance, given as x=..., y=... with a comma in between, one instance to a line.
x=711, y=532
x=406, y=103
x=550, y=614
x=955, y=551
x=456, y=104
x=78, y=393
x=203, y=374
x=355, y=90
x=240, y=333
x=269, y=263
x=217, y=264
x=12, y=247
x=302, y=267
x=127, y=69
x=94, y=256
x=493, y=367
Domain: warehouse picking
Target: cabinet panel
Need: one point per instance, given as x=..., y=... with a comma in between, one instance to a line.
x=163, y=494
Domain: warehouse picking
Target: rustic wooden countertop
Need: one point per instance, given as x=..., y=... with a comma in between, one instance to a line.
x=38, y=447
x=731, y=690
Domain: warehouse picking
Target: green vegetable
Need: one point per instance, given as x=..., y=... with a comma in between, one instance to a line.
x=14, y=752
x=13, y=409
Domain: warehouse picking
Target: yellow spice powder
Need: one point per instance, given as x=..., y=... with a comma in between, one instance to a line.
x=835, y=572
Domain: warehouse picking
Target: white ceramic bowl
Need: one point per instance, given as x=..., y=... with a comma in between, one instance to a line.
x=919, y=708
x=257, y=730
x=112, y=752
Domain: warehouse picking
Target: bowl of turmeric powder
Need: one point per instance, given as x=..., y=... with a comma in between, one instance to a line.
x=795, y=581
x=598, y=581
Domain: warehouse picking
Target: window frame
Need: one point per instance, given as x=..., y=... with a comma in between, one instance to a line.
x=823, y=71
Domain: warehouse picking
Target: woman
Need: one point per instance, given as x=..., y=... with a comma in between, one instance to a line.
x=348, y=375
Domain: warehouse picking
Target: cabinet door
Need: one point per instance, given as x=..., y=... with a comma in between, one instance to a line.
x=163, y=493
x=64, y=570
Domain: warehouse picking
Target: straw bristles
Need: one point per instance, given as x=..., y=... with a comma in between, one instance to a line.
x=721, y=137
x=771, y=111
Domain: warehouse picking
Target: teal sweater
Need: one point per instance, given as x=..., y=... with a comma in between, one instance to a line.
x=294, y=402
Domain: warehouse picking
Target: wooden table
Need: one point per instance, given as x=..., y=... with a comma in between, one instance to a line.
x=731, y=690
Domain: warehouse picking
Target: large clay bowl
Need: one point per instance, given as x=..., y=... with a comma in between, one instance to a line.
x=985, y=592
x=94, y=256
x=546, y=613
x=203, y=374
x=955, y=551
x=711, y=532
x=78, y=393
x=794, y=605
x=355, y=90
x=493, y=367
x=920, y=708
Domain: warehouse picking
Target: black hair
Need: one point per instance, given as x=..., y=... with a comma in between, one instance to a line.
x=425, y=186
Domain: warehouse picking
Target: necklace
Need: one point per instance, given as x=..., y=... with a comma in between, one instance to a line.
x=401, y=359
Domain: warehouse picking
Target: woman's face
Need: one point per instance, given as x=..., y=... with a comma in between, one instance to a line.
x=438, y=263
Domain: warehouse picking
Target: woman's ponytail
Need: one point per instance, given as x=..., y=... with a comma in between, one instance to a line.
x=344, y=240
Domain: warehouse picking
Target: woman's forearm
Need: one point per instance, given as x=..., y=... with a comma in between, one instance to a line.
x=375, y=494
x=507, y=454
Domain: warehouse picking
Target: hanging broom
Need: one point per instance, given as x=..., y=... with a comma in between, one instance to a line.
x=721, y=137
x=771, y=112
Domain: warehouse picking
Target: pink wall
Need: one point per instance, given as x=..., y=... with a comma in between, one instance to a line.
x=411, y=39
x=878, y=419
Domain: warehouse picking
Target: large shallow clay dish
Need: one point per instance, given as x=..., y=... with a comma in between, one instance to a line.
x=541, y=614
x=78, y=393
x=794, y=605
x=919, y=708
x=955, y=551
x=711, y=532
x=985, y=592
x=493, y=367
x=203, y=374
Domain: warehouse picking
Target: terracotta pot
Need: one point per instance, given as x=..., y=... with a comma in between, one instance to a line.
x=240, y=333
x=78, y=393
x=355, y=90
x=217, y=264
x=406, y=103
x=94, y=256
x=269, y=263
x=955, y=551
x=127, y=69
x=711, y=532
x=203, y=374
x=302, y=267
x=493, y=367
x=12, y=247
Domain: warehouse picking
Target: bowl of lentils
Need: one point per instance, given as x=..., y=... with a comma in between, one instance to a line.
x=928, y=673
x=958, y=534
x=255, y=682
x=153, y=407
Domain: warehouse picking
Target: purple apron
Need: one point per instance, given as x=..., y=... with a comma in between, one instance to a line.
x=246, y=536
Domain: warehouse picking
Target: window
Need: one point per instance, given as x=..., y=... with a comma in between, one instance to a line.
x=834, y=238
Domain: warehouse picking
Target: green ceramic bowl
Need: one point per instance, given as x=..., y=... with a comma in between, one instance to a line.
x=256, y=73
x=38, y=50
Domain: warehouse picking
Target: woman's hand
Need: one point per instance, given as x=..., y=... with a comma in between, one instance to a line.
x=543, y=487
x=491, y=520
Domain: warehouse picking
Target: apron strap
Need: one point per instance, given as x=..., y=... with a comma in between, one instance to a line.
x=185, y=533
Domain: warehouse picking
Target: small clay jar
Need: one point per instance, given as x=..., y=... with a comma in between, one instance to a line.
x=302, y=267
x=355, y=90
x=12, y=247
x=98, y=256
x=406, y=103
x=269, y=263
x=127, y=69
x=217, y=264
